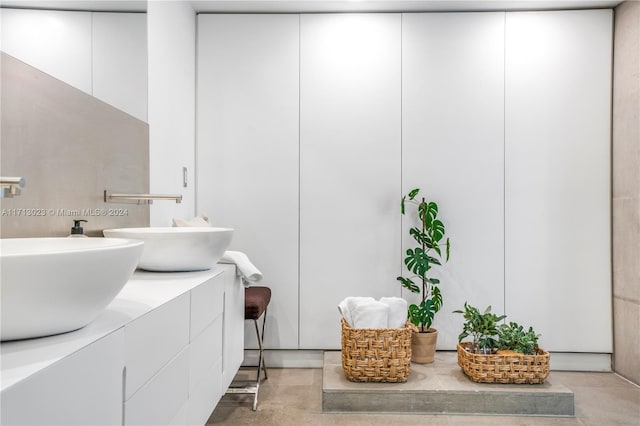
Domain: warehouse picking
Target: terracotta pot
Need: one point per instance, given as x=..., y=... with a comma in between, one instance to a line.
x=423, y=346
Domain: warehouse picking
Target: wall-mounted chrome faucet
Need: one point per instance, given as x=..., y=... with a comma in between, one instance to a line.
x=140, y=198
x=11, y=186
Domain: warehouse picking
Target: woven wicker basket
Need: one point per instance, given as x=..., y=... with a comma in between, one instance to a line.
x=376, y=354
x=512, y=368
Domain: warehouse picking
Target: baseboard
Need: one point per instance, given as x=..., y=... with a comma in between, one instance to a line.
x=580, y=361
x=559, y=361
x=285, y=358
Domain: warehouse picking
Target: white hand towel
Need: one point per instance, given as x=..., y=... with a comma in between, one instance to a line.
x=370, y=314
x=397, y=311
x=198, y=221
x=345, y=305
x=250, y=274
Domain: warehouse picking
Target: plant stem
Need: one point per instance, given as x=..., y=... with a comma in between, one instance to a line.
x=424, y=280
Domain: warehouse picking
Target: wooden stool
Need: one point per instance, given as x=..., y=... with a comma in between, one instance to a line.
x=256, y=301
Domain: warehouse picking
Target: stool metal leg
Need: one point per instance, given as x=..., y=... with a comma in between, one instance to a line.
x=260, y=337
x=261, y=366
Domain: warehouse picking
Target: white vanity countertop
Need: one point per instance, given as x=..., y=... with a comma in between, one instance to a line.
x=144, y=292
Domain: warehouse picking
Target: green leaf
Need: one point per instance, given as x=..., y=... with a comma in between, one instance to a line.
x=437, y=230
x=413, y=193
x=409, y=284
x=417, y=261
x=402, y=205
x=420, y=237
x=422, y=315
x=432, y=210
x=436, y=296
x=434, y=260
x=448, y=249
x=414, y=316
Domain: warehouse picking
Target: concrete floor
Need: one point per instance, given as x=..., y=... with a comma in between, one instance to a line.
x=294, y=397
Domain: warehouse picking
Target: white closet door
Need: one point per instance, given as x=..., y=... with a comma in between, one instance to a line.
x=453, y=149
x=55, y=42
x=350, y=86
x=120, y=61
x=247, y=150
x=557, y=224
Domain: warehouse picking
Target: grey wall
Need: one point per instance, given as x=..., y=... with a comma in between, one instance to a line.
x=626, y=190
x=69, y=147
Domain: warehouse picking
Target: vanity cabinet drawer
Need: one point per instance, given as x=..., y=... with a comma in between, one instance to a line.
x=153, y=340
x=205, y=351
x=207, y=303
x=205, y=396
x=160, y=400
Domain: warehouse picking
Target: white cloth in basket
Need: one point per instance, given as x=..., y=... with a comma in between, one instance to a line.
x=366, y=312
x=370, y=314
x=397, y=311
x=345, y=307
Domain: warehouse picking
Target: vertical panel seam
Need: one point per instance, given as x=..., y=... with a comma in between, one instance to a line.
x=401, y=129
x=611, y=187
x=196, y=63
x=299, y=167
x=91, y=55
x=504, y=164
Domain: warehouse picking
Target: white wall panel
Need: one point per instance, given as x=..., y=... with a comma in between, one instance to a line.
x=557, y=224
x=453, y=149
x=56, y=42
x=120, y=61
x=350, y=86
x=171, y=109
x=247, y=132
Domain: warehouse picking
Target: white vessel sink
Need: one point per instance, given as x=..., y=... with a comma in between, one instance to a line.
x=168, y=249
x=55, y=285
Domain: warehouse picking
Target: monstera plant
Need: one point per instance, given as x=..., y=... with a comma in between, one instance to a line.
x=430, y=251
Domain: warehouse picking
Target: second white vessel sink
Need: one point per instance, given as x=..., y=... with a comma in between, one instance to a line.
x=172, y=249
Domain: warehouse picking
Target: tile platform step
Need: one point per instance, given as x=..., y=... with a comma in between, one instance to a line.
x=440, y=388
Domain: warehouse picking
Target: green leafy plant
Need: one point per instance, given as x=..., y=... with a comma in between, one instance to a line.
x=513, y=336
x=483, y=327
x=419, y=260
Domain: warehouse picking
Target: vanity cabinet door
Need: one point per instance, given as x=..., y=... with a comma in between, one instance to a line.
x=82, y=389
x=350, y=129
x=557, y=193
x=234, y=326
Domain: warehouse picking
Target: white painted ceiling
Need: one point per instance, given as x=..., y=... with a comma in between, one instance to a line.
x=293, y=6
